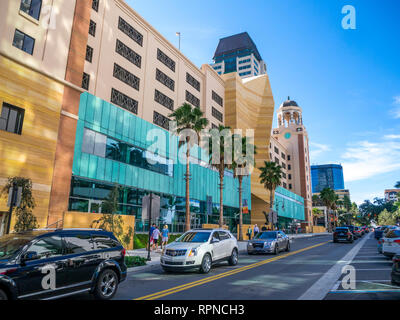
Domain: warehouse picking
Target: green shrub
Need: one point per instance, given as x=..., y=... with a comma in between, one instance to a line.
x=134, y=261
x=140, y=240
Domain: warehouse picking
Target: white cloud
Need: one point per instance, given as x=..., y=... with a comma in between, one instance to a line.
x=392, y=136
x=367, y=159
x=316, y=149
x=396, y=110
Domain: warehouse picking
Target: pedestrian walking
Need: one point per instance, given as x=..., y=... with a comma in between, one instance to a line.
x=256, y=230
x=165, y=235
x=156, y=236
x=153, y=226
x=249, y=232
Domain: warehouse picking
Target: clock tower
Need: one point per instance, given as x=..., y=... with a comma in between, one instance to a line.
x=291, y=137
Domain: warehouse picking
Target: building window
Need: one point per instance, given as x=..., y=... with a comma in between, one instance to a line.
x=128, y=54
x=218, y=115
x=289, y=167
x=276, y=150
x=283, y=156
x=245, y=67
x=276, y=160
x=95, y=5
x=31, y=7
x=192, y=99
x=126, y=77
x=161, y=56
x=89, y=53
x=290, y=177
x=290, y=187
x=161, y=120
x=130, y=31
x=165, y=80
x=283, y=165
x=284, y=175
x=163, y=100
x=11, y=118
x=85, y=81
x=285, y=185
x=92, y=28
x=288, y=157
x=214, y=126
x=192, y=81
x=217, y=99
x=23, y=42
x=124, y=101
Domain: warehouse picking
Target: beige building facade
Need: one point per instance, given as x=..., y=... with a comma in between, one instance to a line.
x=289, y=147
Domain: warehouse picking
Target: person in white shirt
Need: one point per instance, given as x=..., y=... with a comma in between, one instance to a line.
x=156, y=236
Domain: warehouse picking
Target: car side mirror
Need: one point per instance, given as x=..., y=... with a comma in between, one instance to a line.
x=29, y=256
x=214, y=240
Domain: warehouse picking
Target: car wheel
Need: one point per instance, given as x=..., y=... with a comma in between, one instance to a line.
x=233, y=260
x=206, y=264
x=288, y=247
x=276, y=250
x=3, y=295
x=107, y=285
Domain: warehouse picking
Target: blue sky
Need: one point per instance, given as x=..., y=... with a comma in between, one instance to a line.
x=346, y=81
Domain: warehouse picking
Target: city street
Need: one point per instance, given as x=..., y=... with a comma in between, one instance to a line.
x=311, y=270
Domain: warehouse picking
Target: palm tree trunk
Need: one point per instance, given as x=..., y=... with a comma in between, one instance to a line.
x=187, y=178
x=221, y=199
x=271, y=199
x=240, y=178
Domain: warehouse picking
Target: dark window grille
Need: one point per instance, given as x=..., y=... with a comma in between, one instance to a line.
x=126, y=77
x=163, y=100
x=92, y=28
x=128, y=54
x=89, y=53
x=161, y=56
x=192, y=99
x=31, y=7
x=214, y=126
x=85, y=81
x=95, y=5
x=276, y=150
x=218, y=115
x=165, y=80
x=124, y=101
x=192, y=81
x=161, y=120
x=217, y=99
x=130, y=31
x=23, y=41
x=11, y=118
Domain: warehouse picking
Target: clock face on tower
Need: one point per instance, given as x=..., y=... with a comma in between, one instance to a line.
x=287, y=135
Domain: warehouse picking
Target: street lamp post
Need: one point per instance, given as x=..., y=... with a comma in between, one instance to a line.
x=179, y=35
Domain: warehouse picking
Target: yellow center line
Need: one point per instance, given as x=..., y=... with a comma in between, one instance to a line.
x=189, y=285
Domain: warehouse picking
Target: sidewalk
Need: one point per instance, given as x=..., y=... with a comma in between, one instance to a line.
x=155, y=255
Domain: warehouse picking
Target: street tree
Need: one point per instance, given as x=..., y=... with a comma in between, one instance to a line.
x=25, y=219
x=329, y=198
x=270, y=177
x=188, y=117
x=248, y=163
x=220, y=163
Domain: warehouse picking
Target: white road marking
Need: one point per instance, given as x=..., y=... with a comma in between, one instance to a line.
x=381, y=269
x=322, y=286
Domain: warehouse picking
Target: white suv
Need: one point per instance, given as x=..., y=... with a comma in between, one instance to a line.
x=200, y=249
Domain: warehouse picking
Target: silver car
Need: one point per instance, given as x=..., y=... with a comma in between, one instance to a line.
x=269, y=242
x=200, y=249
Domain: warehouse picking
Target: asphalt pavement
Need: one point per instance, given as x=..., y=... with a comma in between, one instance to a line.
x=311, y=270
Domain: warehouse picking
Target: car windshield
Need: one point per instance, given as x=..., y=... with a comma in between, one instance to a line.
x=266, y=235
x=342, y=229
x=194, y=237
x=11, y=244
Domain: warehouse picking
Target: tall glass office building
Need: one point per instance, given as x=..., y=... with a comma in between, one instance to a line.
x=327, y=176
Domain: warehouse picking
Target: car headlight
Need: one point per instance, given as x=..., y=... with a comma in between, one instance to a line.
x=250, y=244
x=193, y=253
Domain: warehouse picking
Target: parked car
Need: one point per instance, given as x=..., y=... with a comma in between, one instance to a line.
x=50, y=264
x=391, y=243
x=365, y=229
x=269, y=242
x=378, y=233
x=343, y=234
x=357, y=232
x=353, y=231
x=200, y=249
x=396, y=270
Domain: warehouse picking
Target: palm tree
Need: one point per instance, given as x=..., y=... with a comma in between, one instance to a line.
x=270, y=177
x=188, y=117
x=329, y=198
x=221, y=166
x=397, y=185
x=317, y=213
x=240, y=175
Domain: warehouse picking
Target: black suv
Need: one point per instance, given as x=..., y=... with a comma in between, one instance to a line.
x=50, y=264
